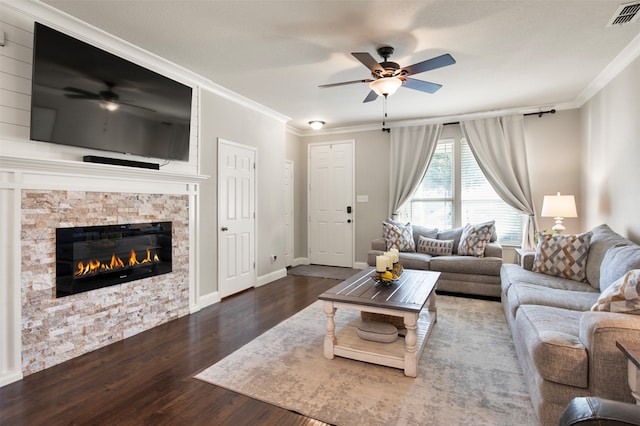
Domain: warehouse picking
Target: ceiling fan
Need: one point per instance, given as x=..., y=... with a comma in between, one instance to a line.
x=108, y=99
x=387, y=77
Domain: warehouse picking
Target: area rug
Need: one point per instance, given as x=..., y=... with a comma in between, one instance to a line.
x=321, y=271
x=468, y=373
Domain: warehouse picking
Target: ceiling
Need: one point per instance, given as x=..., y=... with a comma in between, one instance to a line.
x=510, y=53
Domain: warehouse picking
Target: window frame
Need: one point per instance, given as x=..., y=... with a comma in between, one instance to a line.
x=456, y=138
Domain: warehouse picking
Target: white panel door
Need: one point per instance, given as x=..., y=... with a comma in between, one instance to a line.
x=288, y=213
x=331, y=204
x=236, y=217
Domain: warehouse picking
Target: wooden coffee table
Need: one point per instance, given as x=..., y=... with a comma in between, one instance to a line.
x=405, y=298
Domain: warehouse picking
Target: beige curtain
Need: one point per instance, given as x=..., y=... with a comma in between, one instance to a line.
x=498, y=144
x=410, y=153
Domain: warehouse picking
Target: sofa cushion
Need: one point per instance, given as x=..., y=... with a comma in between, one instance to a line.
x=602, y=240
x=467, y=265
x=551, y=338
x=511, y=274
x=532, y=294
x=415, y=260
x=562, y=255
x=475, y=238
x=398, y=236
x=618, y=260
x=434, y=246
x=622, y=296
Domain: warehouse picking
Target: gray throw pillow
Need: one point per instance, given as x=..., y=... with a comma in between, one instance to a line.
x=617, y=261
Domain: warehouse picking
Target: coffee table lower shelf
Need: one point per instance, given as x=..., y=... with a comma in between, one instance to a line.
x=399, y=354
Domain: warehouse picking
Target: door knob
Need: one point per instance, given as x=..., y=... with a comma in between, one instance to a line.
x=224, y=228
x=348, y=220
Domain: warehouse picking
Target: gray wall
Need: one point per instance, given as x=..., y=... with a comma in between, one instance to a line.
x=610, y=131
x=371, y=179
x=221, y=118
x=553, y=147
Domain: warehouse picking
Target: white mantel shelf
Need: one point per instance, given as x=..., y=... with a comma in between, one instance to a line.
x=85, y=172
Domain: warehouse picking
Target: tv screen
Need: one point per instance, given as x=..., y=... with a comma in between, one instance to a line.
x=84, y=96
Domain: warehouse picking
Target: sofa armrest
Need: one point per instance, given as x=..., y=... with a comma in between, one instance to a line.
x=527, y=259
x=493, y=249
x=599, y=332
x=379, y=244
x=598, y=412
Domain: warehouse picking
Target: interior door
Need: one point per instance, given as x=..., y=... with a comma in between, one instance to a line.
x=288, y=213
x=236, y=217
x=331, y=204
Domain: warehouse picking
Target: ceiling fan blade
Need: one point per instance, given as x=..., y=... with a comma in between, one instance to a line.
x=423, y=86
x=81, y=92
x=345, y=83
x=430, y=64
x=137, y=106
x=82, y=96
x=372, y=96
x=368, y=61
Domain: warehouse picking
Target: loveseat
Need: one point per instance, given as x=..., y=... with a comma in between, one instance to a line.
x=476, y=274
x=565, y=348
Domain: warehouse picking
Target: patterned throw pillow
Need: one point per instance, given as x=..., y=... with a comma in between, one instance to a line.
x=563, y=255
x=398, y=236
x=621, y=296
x=475, y=238
x=435, y=247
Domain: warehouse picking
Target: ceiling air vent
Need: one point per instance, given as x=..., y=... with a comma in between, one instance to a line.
x=627, y=12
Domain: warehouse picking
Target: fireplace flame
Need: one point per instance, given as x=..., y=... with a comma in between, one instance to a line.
x=94, y=266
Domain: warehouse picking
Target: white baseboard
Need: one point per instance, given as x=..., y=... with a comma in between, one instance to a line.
x=301, y=261
x=271, y=276
x=10, y=377
x=360, y=265
x=207, y=300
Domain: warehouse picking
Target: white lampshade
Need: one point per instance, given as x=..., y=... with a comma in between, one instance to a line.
x=559, y=206
x=385, y=86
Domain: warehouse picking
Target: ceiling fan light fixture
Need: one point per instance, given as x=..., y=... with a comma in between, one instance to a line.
x=385, y=86
x=109, y=105
x=316, y=124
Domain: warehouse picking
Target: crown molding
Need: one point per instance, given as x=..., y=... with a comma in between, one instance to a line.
x=630, y=53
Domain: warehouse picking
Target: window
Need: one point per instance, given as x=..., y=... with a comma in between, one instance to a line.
x=454, y=192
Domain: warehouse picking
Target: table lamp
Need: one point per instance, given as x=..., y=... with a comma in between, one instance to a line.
x=558, y=207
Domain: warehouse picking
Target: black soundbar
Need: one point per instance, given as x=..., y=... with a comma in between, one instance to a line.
x=118, y=162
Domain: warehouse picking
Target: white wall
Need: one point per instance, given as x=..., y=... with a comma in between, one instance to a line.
x=610, y=130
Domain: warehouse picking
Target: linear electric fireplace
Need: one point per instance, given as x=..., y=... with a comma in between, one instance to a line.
x=91, y=257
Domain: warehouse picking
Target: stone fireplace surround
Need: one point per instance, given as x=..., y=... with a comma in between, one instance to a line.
x=38, y=199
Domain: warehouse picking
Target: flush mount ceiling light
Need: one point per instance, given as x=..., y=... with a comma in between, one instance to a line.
x=385, y=86
x=316, y=124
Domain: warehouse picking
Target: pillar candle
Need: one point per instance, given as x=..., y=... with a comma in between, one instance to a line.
x=381, y=263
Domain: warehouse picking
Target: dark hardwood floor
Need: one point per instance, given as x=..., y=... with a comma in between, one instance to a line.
x=148, y=378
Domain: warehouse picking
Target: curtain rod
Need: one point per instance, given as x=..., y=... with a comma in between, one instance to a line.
x=539, y=114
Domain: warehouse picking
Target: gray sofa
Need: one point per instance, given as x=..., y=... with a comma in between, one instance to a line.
x=565, y=349
x=459, y=274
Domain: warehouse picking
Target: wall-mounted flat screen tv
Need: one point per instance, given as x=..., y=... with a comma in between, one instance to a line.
x=84, y=96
